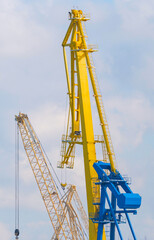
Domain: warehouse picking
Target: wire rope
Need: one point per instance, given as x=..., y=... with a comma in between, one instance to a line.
x=16, y=180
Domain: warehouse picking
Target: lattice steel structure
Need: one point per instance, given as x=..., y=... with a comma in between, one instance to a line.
x=55, y=206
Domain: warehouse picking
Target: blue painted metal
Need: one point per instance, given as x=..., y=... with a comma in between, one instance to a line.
x=130, y=225
x=126, y=201
x=112, y=225
x=114, y=218
x=102, y=212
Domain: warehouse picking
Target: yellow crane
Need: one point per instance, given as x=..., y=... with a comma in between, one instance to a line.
x=59, y=209
x=81, y=124
x=80, y=131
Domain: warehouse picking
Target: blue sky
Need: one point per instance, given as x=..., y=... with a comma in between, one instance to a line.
x=32, y=80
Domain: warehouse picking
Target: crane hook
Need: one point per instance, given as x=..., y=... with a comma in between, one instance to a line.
x=16, y=233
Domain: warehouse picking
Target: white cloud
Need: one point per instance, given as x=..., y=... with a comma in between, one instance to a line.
x=35, y=225
x=148, y=223
x=26, y=174
x=144, y=75
x=136, y=18
x=129, y=118
x=21, y=33
x=5, y=232
x=98, y=12
x=32, y=200
x=48, y=121
x=6, y=197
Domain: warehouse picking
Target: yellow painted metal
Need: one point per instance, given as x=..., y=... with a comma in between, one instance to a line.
x=67, y=73
x=88, y=139
x=81, y=116
x=77, y=18
x=44, y=179
x=99, y=103
x=68, y=154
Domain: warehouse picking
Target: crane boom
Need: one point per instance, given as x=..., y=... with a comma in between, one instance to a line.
x=81, y=210
x=44, y=178
x=82, y=132
x=81, y=60
x=81, y=114
x=72, y=215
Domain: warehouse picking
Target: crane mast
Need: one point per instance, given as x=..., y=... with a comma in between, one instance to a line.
x=78, y=90
x=81, y=210
x=81, y=132
x=74, y=221
x=80, y=106
x=55, y=206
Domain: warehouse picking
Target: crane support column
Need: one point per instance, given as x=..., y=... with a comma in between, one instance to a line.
x=81, y=68
x=112, y=225
x=127, y=201
x=87, y=135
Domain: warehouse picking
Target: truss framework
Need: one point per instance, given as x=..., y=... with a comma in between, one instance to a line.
x=44, y=179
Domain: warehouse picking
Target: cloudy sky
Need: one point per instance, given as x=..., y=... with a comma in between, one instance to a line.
x=32, y=80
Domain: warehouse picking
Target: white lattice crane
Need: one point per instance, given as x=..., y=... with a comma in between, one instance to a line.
x=62, y=215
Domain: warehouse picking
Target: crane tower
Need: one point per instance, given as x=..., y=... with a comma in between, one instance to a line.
x=63, y=217
x=80, y=72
